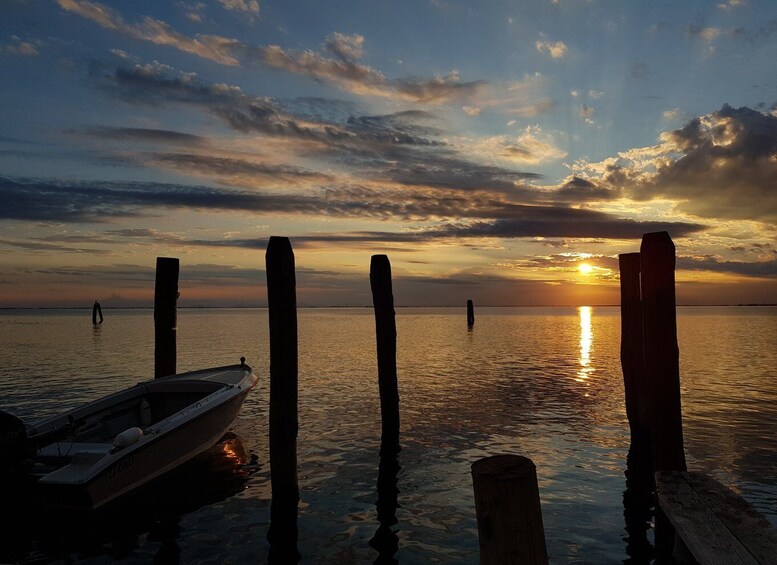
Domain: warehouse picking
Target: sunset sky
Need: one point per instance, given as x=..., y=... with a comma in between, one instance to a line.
x=501, y=151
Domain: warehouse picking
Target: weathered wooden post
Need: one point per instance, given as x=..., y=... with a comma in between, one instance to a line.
x=637, y=498
x=386, y=338
x=470, y=313
x=97, y=311
x=282, y=309
x=507, y=502
x=662, y=356
x=165, y=316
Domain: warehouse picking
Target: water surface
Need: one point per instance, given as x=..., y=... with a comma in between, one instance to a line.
x=541, y=382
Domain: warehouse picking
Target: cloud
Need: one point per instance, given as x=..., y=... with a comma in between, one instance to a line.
x=247, y=6
x=731, y=4
x=471, y=110
x=345, y=72
x=556, y=49
x=101, y=201
x=213, y=47
x=533, y=146
x=20, y=48
x=587, y=113
x=346, y=47
x=713, y=263
x=238, y=171
x=720, y=165
x=142, y=135
x=403, y=147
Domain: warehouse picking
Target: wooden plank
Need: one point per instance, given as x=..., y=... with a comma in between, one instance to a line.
x=716, y=525
x=752, y=529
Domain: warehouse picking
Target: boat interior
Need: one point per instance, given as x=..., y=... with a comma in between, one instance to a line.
x=95, y=426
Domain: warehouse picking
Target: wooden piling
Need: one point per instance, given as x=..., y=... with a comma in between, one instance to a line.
x=282, y=309
x=165, y=316
x=97, y=311
x=507, y=502
x=662, y=356
x=386, y=338
x=633, y=351
x=470, y=313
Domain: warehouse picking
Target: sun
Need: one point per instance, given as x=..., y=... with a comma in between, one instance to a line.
x=585, y=268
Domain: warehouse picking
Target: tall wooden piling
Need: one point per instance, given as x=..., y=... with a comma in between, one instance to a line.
x=633, y=351
x=386, y=338
x=470, y=313
x=282, y=309
x=662, y=356
x=165, y=316
x=507, y=502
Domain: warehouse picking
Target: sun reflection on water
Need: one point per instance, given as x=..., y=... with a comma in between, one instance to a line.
x=586, y=337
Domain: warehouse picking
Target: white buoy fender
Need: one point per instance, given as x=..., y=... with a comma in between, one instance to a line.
x=127, y=437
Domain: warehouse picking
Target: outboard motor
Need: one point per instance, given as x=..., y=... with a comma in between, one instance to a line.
x=13, y=442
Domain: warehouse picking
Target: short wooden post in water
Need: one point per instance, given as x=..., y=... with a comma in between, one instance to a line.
x=662, y=356
x=386, y=338
x=507, y=502
x=470, y=313
x=282, y=309
x=165, y=316
x=97, y=311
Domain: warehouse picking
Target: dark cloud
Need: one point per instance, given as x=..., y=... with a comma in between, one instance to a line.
x=237, y=171
x=404, y=147
x=580, y=190
x=722, y=165
x=711, y=263
x=142, y=135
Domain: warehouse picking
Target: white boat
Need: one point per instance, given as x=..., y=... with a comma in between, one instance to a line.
x=93, y=454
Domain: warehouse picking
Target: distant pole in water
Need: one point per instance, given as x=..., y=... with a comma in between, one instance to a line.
x=662, y=356
x=96, y=310
x=507, y=502
x=470, y=313
x=386, y=340
x=165, y=316
x=282, y=309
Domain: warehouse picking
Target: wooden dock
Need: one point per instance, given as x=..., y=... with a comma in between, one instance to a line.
x=716, y=525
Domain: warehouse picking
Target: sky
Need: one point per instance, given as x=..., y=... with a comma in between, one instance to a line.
x=504, y=152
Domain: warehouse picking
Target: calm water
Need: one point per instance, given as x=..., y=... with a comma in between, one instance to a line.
x=542, y=382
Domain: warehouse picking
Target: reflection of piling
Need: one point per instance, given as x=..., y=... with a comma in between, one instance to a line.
x=385, y=541
x=662, y=356
x=507, y=502
x=97, y=311
x=386, y=337
x=470, y=314
x=282, y=309
x=165, y=316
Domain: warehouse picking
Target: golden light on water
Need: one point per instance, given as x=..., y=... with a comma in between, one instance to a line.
x=586, y=338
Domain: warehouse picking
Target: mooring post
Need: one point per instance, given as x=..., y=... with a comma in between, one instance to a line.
x=470, y=313
x=507, y=502
x=662, y=356
x=633, y=352
x=97, y=311
x=165, y=316
x=282, y=310
x=386, y=338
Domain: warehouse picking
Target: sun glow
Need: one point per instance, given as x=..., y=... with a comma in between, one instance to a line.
x=585, y=268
